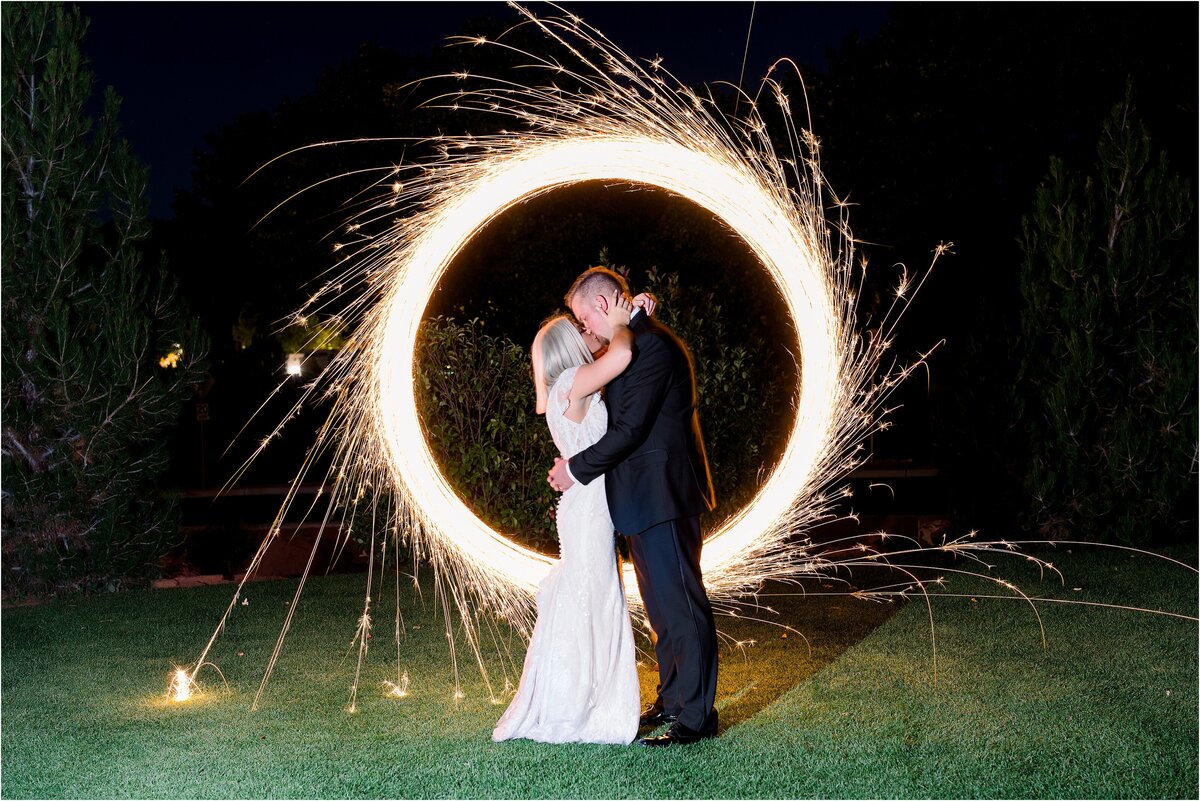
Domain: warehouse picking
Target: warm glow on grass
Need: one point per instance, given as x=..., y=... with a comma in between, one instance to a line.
x=182, y=688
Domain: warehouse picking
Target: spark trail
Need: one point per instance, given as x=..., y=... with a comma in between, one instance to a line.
x=621, y=120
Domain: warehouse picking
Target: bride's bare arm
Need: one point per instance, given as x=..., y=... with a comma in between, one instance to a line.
x=591, y=377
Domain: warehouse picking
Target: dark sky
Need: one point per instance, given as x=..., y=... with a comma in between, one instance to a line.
x=185, y=69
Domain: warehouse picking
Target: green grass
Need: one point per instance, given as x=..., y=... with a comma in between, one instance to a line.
x=1110, y=710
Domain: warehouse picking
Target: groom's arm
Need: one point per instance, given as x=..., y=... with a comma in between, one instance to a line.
x=645, y=387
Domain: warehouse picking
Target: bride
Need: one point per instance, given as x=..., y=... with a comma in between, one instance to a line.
x=580, y=681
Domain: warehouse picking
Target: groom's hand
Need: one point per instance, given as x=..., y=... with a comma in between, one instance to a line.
x=559, y=478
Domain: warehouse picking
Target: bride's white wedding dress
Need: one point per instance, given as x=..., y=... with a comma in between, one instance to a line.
x=580, y=680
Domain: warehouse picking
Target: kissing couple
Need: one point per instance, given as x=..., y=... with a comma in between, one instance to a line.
x=632, y=462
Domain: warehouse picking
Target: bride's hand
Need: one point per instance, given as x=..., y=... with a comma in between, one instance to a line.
x=646, y=302
x=619, y=309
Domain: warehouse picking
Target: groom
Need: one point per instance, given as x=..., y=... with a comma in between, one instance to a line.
x=658, y=484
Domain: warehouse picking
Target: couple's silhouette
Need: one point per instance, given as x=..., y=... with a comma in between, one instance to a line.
x=632, y=463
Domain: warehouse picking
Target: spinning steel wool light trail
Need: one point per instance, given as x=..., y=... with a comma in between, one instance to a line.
x=625, y=122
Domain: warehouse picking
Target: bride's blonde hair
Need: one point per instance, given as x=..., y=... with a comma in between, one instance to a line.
x=562, y=347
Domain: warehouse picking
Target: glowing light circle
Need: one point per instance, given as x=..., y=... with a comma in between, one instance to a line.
x=755, y=211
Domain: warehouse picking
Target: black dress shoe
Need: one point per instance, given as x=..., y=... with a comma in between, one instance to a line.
x=679, y=734
x=655, y=717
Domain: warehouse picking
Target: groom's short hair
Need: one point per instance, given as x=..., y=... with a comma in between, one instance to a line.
x=596, y=281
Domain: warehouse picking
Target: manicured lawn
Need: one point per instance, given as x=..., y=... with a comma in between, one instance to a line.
x=1110, y=710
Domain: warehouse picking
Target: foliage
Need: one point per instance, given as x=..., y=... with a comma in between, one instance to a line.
x=97, y=352
x=1107, y=377
x=476, y=397
x=939, y=128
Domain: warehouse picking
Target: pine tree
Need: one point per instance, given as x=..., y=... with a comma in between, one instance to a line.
x=1106, y=391
x=98, y=353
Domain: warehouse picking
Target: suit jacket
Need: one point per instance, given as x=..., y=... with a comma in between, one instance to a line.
x=652, y=455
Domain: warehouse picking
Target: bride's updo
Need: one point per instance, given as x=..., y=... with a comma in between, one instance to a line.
x=562, y=347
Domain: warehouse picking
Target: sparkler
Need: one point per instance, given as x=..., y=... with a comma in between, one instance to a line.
x=627, y=122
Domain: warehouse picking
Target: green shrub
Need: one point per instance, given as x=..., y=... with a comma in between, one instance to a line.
x=98, y=353
x=476, y=398
x=1106, y=387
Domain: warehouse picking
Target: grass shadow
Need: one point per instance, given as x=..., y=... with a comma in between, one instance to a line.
x=764, y=653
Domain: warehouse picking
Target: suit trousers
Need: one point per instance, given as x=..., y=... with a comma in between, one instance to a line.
x=666, y=560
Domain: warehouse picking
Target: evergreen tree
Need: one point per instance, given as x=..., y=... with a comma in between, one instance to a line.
x=98, y=353
x=1107, y=379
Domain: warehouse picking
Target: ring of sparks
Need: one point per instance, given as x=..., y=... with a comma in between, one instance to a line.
x=730, y=189
x=627, y=122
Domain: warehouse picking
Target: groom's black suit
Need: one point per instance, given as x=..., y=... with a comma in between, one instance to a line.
x=657, y=482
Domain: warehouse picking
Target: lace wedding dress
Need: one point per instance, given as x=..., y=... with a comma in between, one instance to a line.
x=580, y=680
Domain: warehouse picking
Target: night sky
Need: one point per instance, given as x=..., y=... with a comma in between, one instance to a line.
x=185, y=69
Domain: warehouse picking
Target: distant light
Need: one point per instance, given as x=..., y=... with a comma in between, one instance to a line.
x=294, y=362
x=171, y=359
